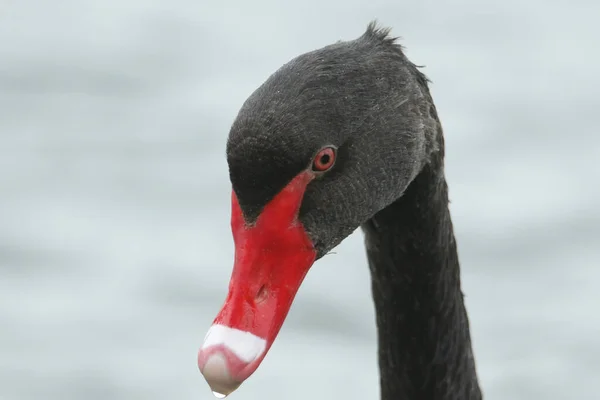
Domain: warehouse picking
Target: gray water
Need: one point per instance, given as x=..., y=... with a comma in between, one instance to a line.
x=115, y=249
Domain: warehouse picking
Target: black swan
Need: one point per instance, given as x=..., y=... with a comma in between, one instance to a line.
x=342, y=137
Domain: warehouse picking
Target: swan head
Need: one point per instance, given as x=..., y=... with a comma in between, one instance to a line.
x=330, y=139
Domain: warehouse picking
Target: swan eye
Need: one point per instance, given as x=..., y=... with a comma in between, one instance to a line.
x=324, y=159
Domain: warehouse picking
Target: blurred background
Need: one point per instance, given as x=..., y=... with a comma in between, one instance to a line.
x=115, y=248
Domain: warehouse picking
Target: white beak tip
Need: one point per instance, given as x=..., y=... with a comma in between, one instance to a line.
x=217, y=375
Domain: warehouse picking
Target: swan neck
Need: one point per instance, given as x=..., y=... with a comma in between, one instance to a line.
x=424, y=342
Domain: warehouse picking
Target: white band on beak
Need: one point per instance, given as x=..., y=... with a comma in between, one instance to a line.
x=245, y=345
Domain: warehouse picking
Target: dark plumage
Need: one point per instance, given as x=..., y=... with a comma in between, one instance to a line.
x=367, y=99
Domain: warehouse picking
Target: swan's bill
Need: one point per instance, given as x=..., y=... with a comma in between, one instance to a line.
x=261, y=290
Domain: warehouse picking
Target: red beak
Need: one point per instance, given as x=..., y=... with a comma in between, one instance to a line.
x=271, y=259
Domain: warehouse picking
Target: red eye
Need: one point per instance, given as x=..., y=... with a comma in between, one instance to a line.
x=324, y=159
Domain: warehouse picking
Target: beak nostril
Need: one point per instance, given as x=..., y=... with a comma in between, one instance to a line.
x=261, y=295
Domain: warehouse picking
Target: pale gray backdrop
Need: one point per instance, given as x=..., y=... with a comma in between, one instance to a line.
x=115, y=249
